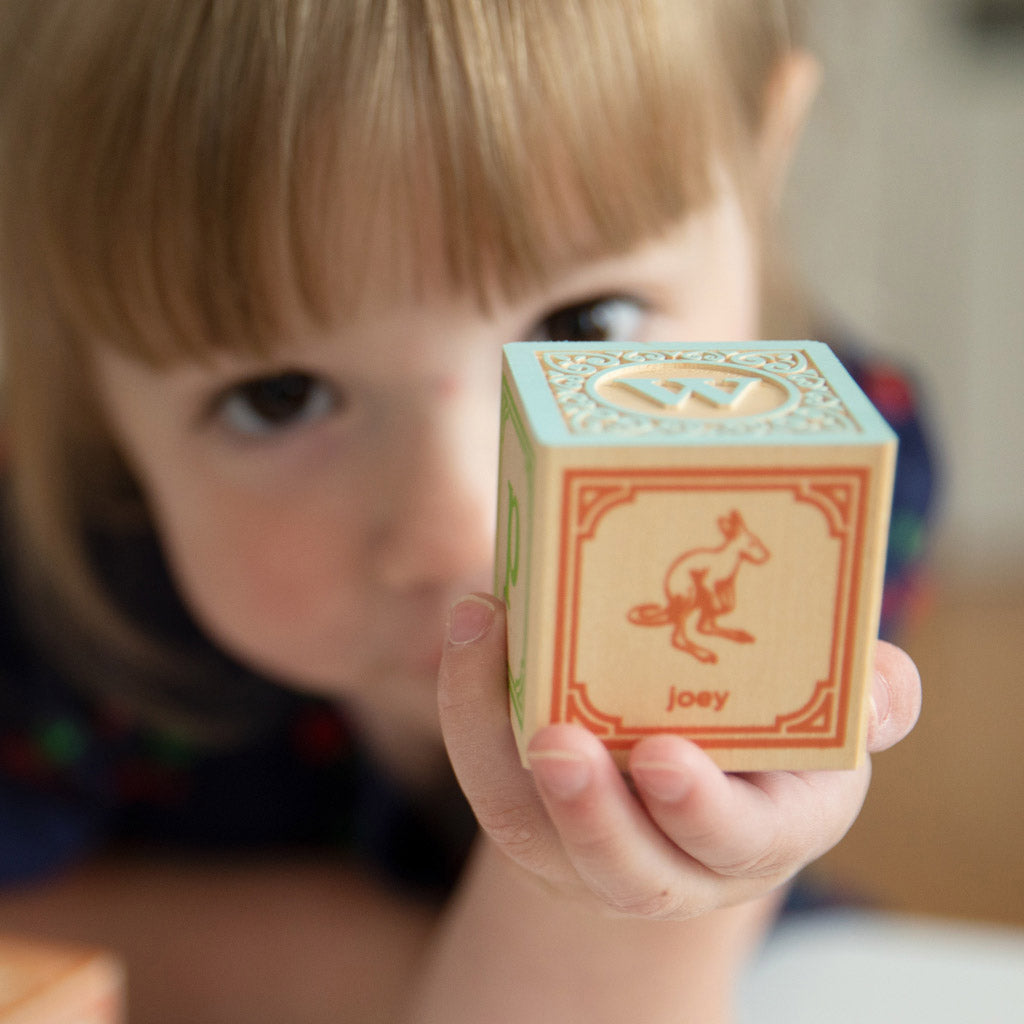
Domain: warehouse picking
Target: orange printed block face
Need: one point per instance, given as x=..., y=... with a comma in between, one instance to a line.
x=691, y=539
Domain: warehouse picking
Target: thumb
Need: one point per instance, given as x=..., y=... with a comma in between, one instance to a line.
x=473, y=707
x=471, y=680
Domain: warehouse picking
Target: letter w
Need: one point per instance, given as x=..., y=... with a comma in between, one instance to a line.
x=676, y=397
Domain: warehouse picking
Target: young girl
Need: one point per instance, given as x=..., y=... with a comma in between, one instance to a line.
x=257, y=262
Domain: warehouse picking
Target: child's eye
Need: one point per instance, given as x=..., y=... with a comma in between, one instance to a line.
x=267, y=405
x=607, y=318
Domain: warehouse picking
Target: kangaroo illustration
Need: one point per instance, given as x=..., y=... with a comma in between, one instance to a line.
x=703, y=581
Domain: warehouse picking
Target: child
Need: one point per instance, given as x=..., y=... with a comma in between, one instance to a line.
x=257, y=262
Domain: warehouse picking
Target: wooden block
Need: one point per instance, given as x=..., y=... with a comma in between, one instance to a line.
x=691, y=539
x=58, y=984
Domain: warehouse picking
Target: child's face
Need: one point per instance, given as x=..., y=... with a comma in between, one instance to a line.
x=322, y=509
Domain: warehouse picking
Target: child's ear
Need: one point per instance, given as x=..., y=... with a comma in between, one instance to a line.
x=790, y=93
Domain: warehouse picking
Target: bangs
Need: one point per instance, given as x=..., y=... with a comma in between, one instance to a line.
x=254, y=162
x=560, y=131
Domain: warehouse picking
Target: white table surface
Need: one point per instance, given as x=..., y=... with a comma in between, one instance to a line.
x=846, y=967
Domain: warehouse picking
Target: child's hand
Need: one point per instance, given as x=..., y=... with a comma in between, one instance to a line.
x=690, y=839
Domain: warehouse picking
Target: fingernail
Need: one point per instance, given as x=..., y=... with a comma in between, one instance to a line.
x=880, y=698
x=665, y=782
x=469, y=618
x=562, y=773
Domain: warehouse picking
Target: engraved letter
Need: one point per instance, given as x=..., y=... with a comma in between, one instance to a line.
x=707, y=391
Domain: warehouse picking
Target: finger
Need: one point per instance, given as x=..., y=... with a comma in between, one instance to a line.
x=762, y=825
x=473, y=707
x=895, y=697
x=613, y=846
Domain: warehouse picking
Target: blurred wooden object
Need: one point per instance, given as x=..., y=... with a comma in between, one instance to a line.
x=42, y=983
x=942, y=831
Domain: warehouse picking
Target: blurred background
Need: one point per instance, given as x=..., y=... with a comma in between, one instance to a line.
x=906, y=215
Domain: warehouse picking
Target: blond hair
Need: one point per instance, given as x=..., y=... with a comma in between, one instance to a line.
x=178, y=176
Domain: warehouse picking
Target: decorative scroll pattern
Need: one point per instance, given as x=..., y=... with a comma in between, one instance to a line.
x=818, y=409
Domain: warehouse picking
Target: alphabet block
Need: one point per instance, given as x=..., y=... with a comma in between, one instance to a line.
x=43, y=983
x=691, y=539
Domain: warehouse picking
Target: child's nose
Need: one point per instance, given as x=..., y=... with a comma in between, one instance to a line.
x=438, y=526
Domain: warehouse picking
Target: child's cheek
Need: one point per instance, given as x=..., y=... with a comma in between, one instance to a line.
x=271, y=588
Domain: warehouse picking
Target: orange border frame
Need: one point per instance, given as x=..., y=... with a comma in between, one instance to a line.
x=842, y=495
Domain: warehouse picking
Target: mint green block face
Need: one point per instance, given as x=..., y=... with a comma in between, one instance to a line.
x=755, y=393
x=691, y=539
